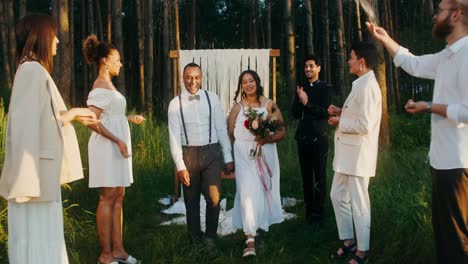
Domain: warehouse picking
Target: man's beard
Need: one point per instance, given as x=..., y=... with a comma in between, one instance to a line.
x=443, y=29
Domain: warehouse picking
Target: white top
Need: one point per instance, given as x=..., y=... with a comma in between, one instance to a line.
x=449, y=69
x=197, y=123
x=107, y=166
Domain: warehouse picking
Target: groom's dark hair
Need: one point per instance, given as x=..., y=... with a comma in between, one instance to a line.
x=191, y=65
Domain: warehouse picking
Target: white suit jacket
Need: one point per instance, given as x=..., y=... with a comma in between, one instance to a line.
x=40, y=153
x=357, y=134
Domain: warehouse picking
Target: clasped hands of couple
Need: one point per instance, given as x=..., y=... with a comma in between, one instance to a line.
x=184, y=175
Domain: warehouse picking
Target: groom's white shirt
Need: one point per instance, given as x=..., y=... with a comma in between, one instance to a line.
x=197, y=122
x=357, y=135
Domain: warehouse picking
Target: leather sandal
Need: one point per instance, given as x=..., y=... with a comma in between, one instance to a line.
x=359, y=260
x=249, y=251
x=346, y=250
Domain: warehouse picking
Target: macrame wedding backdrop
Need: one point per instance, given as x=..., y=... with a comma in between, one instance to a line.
x=221, y=69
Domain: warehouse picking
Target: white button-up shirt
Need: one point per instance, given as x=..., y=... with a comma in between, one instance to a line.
x=449, y=69
x=197, y=123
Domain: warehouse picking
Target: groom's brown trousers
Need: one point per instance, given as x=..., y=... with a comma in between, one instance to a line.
x=204, y=163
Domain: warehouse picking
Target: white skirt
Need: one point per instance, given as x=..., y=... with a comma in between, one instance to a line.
x=35, y=233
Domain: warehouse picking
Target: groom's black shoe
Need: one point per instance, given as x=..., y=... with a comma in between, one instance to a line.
x=210, y=245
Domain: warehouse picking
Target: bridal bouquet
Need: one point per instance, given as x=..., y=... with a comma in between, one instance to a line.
x=259, y=125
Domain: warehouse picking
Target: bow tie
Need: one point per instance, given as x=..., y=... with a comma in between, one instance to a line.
x=195, y=97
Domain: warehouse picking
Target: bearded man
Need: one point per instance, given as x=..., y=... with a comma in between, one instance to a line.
x=449, y=123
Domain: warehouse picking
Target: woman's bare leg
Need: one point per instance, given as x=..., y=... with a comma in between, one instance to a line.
x=104, y=223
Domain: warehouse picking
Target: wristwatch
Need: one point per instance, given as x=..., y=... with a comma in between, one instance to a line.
x=428, y=107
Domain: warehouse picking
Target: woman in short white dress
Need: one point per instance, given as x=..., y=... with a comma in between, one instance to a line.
x=41, y=150
x=257, y=204
x=110, y=165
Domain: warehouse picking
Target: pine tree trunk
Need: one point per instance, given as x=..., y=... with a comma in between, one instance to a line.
x=22, y=8
x=117, y=37
x=73, y=94
x=149, y=72
x=86, y=86
x=92, y=73
x=109, y=21
x=326, y=42
x=253, y=25
x=91, y=18
x=291, y=49
x=99, y=19
x=177, y=43
x=394, y=20
x=64, y=51
x=141, y=53
x=168, y=93
x=192, y=25
x=384, y=135
x=358, y=19
x=4, y=40
x=12, y=36
x=310, y=27
x=341, y=53
x=268, y=24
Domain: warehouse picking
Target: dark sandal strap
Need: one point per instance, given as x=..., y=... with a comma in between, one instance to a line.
x=346, y=250
x=359, y=260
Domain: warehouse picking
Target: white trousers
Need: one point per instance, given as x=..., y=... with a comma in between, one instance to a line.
x=350, y=200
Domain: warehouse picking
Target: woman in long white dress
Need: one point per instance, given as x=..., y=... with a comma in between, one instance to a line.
x=41, y=150
x=110, y=165
x=257, y=204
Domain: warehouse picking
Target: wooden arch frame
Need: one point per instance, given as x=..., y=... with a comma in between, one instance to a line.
x=175, y=58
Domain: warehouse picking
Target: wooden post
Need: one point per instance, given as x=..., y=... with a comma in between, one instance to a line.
x=274, y=53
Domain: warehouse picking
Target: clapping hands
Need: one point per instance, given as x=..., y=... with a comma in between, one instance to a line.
x=303, y=98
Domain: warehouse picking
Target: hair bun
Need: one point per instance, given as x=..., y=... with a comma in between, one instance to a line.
x=90, y=48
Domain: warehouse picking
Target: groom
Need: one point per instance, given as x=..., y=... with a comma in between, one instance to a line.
x=197, y=129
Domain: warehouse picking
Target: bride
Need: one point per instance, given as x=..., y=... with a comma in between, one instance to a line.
x=257, y=204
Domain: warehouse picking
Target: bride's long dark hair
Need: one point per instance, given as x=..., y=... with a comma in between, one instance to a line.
x=257, y=82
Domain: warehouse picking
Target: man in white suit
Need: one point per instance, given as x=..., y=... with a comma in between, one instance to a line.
x=356, y=146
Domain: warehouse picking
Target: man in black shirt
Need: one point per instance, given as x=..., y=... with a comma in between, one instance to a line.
x=310, y=107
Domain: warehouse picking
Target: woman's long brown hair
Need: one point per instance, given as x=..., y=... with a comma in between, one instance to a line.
x=34, y=36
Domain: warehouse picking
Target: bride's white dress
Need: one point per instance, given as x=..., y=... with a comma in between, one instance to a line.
x=257, y=203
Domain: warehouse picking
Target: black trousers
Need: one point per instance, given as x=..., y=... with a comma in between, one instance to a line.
x=450, y=215
x=313, y=162
x=204, y=163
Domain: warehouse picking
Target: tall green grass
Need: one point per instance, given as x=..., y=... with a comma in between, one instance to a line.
x=400, y=198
